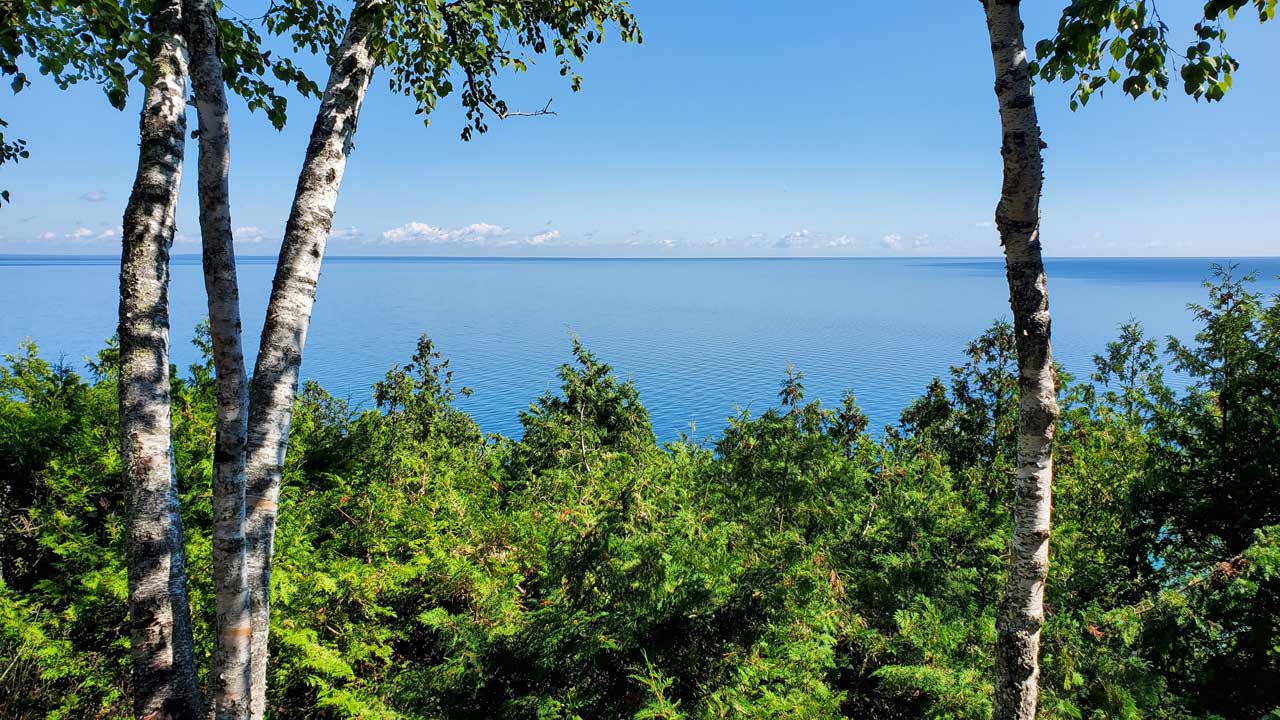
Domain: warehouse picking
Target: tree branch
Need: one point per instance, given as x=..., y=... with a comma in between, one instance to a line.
x=481, y=91
x=546, y=110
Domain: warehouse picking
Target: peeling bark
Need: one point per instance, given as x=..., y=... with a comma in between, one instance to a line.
x=230, y=661
x=1021, y=613
x=164, y=673
x=275, y=377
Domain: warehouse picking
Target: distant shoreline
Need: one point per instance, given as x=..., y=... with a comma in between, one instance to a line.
x=28, y=259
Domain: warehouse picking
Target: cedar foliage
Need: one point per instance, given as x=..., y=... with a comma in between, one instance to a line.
x=796, y=567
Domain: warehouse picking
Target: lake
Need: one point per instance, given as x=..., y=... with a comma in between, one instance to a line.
x=700, y=338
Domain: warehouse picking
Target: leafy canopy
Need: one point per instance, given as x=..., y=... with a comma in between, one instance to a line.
x=105, y=42
x=434, y=48
x=1105, y=42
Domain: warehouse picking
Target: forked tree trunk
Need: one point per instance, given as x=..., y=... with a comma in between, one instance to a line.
x=159, y=615
x=230, y=661
x=1021, y=612
x=275, y=377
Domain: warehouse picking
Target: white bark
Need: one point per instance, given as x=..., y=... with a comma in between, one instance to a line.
x=1021, y=613
x=230, y=661
x=164, y=674
x=275, y=377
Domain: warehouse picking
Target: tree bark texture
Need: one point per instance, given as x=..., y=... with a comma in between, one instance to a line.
x=164, y=674
x=275, y=378
x=1021, y=613
x=230, y=661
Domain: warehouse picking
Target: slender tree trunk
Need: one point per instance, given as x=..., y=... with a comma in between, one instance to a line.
x=230, y=662
x=160, y=624
x=1021, y=613
x=275, y=376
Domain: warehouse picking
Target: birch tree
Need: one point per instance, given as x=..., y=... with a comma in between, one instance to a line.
x=164, y=664
x=288, y=315
x=210, y=38
x=419, y=45
x=229, y=666
x=99, y=41
x=1021, y=613
x=160, y=624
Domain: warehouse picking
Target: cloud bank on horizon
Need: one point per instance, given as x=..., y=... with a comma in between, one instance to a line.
x=491, y=239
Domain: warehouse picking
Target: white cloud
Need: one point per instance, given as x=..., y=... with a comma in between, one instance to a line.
x=796, y=242
x=794, y=239
x=479, y=231
x=890, y=241
x=81, y=235
x=347, y=233
x=248, y=234
x=639, y=241
x=94, y=196
x=411, y=232
x=416, y=233
x=475, y=235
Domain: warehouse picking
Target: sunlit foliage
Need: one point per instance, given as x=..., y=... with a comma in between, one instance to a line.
x=796, y=567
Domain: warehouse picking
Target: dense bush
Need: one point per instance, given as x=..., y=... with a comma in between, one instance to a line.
x=797, y=567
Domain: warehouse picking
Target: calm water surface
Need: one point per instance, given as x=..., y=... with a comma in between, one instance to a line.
x=699, y=337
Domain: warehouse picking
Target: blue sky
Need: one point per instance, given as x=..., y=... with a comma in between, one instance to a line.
x=735, y=129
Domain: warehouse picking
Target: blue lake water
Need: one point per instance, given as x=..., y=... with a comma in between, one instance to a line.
x=699, y=337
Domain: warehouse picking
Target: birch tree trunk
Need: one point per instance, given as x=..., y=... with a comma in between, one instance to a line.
x=275, y=377
x=160, y=623
x=1021, y=612
x=230, y=662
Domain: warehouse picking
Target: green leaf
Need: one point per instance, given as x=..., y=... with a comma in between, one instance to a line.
x=1118, y=47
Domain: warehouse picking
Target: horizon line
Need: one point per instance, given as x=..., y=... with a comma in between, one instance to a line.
x=340, y=256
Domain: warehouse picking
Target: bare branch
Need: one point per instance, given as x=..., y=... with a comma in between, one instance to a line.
x=546, y=110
